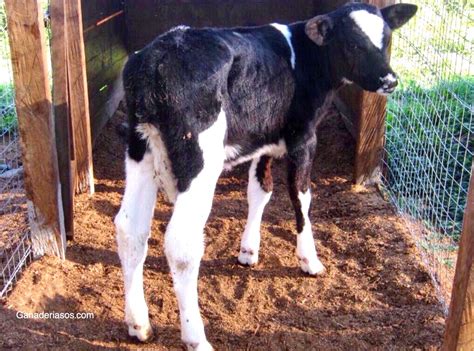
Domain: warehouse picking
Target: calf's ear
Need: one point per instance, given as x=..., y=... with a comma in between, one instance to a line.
x=319, y=29
x=397, y=15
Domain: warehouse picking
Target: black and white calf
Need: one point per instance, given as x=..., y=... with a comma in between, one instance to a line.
x=201, y=100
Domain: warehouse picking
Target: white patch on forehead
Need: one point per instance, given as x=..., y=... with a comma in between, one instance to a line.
x=372, y=26
x=287, y=34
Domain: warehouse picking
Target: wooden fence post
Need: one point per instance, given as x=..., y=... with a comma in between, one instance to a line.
x=36, y=127
x=459, y=334
x=79, y=98
x=62, y=117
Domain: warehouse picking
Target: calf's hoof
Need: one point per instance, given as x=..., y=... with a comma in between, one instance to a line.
x=312, y=267
x=142, y=333
x=248, y=257
x=201, y=346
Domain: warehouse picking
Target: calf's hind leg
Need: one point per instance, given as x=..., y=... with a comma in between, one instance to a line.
x=184, y=238
x=133, y=227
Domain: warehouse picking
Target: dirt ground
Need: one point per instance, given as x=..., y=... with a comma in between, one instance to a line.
x=374, y=295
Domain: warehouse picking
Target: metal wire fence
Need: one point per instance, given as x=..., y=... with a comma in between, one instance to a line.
x=430, y=130
x=15, y=243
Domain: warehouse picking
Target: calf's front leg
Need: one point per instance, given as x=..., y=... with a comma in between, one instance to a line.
x=299, y=184
x=259, y=191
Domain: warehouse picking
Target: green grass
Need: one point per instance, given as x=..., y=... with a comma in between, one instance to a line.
x=8, y=119
x=430, y=147
x=429, y=132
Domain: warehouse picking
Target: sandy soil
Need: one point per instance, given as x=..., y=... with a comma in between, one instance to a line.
x=13, y=207
x=374, y=295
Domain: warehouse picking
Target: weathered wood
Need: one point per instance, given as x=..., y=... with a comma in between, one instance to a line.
x=370, y=134
x=106, y=53
x=459, y=334
x=148, y=18
x=61, y=112
x=104, y=20
x=78, y=98
x=95, y=11
x=36, y=127
x=108, y=104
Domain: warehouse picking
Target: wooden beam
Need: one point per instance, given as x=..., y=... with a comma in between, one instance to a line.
x=370, y=136
x=78, y=98
x=459, y=334
x=62, y=117
x=36, y=127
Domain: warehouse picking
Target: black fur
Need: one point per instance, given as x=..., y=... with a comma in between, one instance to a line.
x=264, y=173
x=182, y=80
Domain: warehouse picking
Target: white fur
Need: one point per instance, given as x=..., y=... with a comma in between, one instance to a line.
x=133, y=227
x=232, y=151
x=381, y=91
x=274, y=150
x=287, y=34
x=184, y=238
x=372, y=25
x=257, y=200
x=389, y=78
x=346, y=81
x=305, y=249
x=163, y=174
x=181, y=27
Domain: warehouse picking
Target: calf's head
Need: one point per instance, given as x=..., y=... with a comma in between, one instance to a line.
x=357, y=37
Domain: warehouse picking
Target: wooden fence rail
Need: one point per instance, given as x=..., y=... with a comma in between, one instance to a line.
x=36, y=126
x=459, y=333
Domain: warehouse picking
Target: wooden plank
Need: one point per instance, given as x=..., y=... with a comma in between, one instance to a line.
x=102, y=52
x=459, y=334
x=61, y=112
x=148, y=18
x=105, y=101
x=94, y=11
x=36, y=127
x=79, y=100
x=104, y=20
x=106, y=53
x=107, y=109
x=370, y=136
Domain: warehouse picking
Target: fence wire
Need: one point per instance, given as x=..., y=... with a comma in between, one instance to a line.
x=15, y=243
x=430, y=131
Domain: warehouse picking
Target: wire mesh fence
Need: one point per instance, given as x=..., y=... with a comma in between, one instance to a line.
x=430, y=130
x=15, y=243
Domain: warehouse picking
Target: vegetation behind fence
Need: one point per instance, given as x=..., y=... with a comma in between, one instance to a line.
x=15, y=242
x=430, y=130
